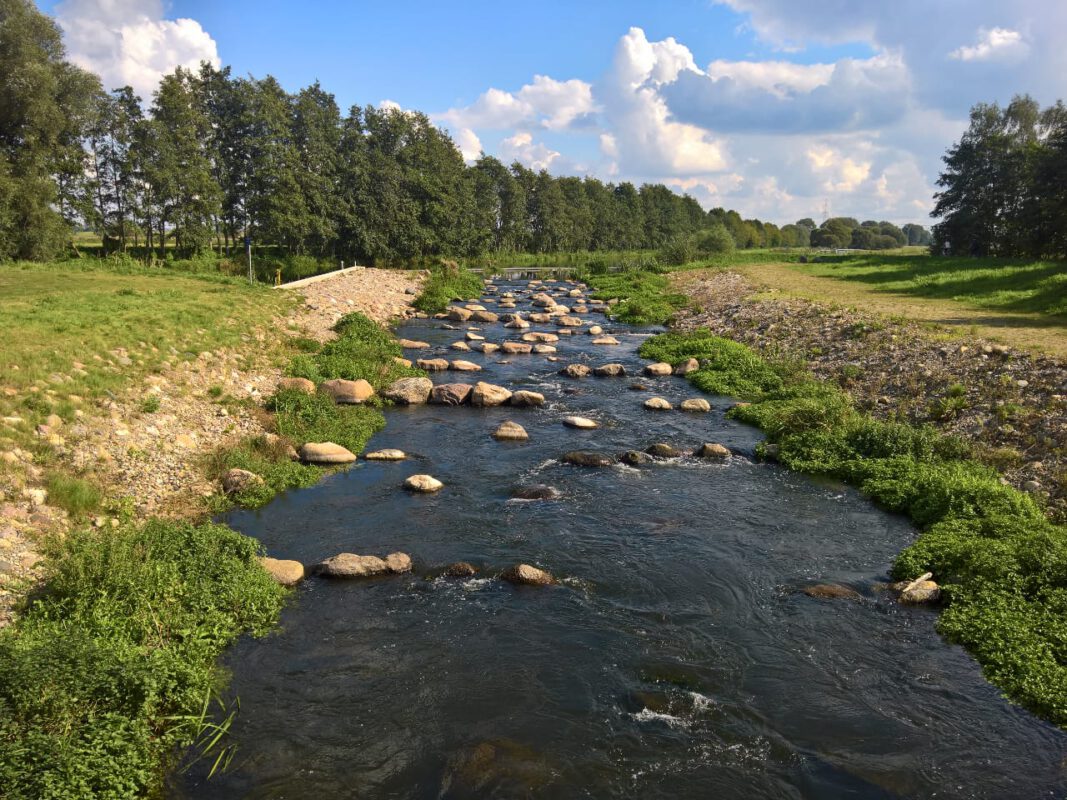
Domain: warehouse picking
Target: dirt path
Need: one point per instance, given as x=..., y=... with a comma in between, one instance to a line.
x=1031, y=332
x=155, y=458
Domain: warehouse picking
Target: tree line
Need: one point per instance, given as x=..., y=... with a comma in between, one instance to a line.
x=216, y=159
x=1003, y=191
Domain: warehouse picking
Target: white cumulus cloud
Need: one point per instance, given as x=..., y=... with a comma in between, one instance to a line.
x=544, y=102
x=129, y=42
x=522, y=148
x=993, y=44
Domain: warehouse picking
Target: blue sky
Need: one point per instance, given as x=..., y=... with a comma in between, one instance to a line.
x=778, y=108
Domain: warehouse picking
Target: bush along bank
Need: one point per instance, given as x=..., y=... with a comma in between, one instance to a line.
x=643, y=296
x=107, y=673
x=448, y=281
x=302, y=413
x=1001, y=564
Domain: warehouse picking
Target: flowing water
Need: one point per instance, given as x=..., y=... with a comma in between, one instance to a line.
x=675, y=659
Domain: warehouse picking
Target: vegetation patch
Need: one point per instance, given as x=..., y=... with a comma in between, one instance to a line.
x=446, y=283
x=1001, y=563
x=106, y=674
x=644, y=296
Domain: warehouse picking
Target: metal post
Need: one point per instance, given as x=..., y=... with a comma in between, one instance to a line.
x=248, y=249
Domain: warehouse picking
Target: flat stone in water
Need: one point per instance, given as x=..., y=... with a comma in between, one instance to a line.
x=583, y=423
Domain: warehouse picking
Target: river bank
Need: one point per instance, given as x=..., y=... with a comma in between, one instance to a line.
x=1010, y=404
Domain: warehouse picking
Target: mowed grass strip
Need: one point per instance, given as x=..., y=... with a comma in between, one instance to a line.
x=74, y=333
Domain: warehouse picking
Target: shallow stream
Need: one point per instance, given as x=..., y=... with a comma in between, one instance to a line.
x=676, y=658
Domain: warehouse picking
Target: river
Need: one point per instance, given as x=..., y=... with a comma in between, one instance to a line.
x=676, y=658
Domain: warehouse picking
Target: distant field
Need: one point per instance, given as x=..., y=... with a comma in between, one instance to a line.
x=1022, y=303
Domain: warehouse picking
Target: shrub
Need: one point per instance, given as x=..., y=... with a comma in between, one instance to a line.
x=447, y=282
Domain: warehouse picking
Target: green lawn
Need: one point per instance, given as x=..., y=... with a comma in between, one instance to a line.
x=995, y=284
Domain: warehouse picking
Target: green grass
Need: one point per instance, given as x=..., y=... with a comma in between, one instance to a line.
x=643, y=295
x=77, y=496
x=362, y=350
x=103, y=678
x=991, y=283
x=65, y=323
x=445, y=284
x=1001, y=563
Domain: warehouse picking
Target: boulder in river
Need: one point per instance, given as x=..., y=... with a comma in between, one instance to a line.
x=544, y=349
x=386, y=455
x=635, y=458
x=539, y=491
x=296, y=384
x=412, y=344
x=921, y=590
x=485, y=347
x=451, y=394
x=569, y=322
x=284, y=571
x=582, y=423
x=540, y=336
x=658, y=404
x=696, y=404
x=605, y=340
x=517, y=323
x=526, y=575
x=687, y=366
x=459, y=314
x=236, y=481
x=464, y=366
x=463, y=347
x=712, y=450
x=516, y=348
x=831, y=591
x=488, y=394
x=485, y=316
x=511, y=431
x=610, y=371
x=588, y=458
x=325, y=453
x=595, y=330
x=348, y=392
x=471, y=336
x=461, y=569
x=664, y=450
x=575, y=371
x=350, y=565
x=524, y=398
x=433, y=364
x=658, y=369
x=410, y=391
x=425, y=484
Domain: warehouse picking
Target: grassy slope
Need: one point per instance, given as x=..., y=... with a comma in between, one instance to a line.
x=1022, y=303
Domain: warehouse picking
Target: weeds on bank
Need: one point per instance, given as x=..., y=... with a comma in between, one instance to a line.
x=362, y=350
x=1001, y=562
x=643, y=295
x=446, y=283
x=98, y=674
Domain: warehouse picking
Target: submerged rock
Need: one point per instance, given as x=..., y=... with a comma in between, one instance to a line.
x=525, y=575
x=663, y=450
x=831, y=591
x=538, y=491
x=425, y=484
x=588, y=458
x=635, y=458
x=610, y=371
x=461, y=569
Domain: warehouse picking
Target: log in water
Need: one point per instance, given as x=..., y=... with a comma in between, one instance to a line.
x=677, y=655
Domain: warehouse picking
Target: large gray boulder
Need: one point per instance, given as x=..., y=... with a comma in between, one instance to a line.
x=410, y=391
